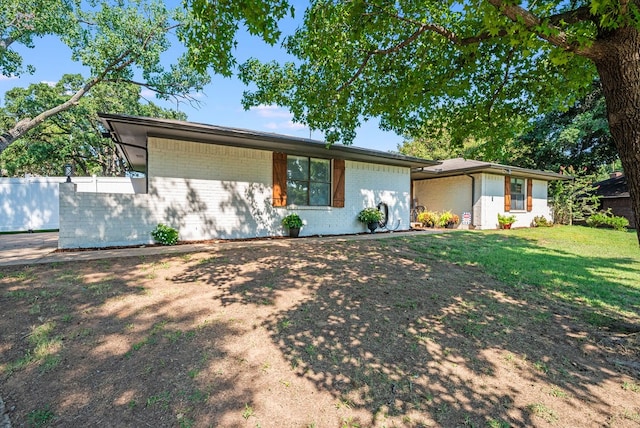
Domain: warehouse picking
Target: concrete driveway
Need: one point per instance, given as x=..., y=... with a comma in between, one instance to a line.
x=25, y=248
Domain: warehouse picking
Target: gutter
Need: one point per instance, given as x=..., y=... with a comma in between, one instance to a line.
x=473, y=195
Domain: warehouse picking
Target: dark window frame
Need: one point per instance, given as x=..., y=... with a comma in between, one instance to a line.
x=309, y=181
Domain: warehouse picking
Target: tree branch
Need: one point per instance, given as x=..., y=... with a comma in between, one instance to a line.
x=503, y=83
x=421, y=28
x=25, y=125
x=555, y=36
x=573, y=16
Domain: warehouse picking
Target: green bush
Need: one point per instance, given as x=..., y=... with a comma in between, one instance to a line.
x=506, y=219
x=541, y=221
x=447, y=217
x=370, y=215
x=606, y=219
x=428, y=218
x=165, y=235
x=292, y=221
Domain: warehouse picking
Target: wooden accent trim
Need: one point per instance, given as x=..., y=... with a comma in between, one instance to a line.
x=338, y=183
x=507, y=193
x=529, y=194
x=279, y=179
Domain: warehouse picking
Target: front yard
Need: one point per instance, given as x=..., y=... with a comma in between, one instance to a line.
x=531, y=327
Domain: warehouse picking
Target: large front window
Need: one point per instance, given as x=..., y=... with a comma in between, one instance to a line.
x=308, y=181
x=518, y=195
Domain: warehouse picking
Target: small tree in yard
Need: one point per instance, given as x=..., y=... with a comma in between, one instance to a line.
x=574, y=200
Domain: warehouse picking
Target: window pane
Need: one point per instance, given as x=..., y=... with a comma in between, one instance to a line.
x=517, y=194
x=319, y=194
x=297, y=168
x=517, y=186
x=297, y=192
x=320, y=170
x=517, y=202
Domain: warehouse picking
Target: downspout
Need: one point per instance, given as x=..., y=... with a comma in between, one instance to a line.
x=473, y=195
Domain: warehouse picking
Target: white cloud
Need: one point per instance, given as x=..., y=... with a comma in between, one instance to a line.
x=294, y=126
x=271, y=112
x=3, y=77
x=48, y=82
x=147, y=93
x=286, y=125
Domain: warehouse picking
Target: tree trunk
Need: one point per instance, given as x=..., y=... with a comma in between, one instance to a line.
x=618, y=64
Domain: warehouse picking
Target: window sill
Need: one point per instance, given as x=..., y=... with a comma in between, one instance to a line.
x=308, y=208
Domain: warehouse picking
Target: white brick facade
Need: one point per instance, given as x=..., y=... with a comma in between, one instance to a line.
x=455, y=194
x=209, y=191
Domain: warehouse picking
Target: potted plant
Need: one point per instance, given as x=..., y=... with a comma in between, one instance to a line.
x=448, y=219
x=371, y=217
x=428, y=218
x=505, y=221
x=293, y=222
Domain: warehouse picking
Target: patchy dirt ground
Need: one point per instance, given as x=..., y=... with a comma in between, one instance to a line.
x=301, y=334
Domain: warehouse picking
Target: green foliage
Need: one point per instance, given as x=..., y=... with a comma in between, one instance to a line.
x=71, y=136
x=578, y=136
x=442, y=219
x=541, y=221
x=576, y=269
x=165, y=235
x=422, y=66
x=505, y=219
x=117, y=42
x=211, y=34
x=292, y=221
x=575, y=199
x=22, y=21
x=370, y=215
x=607, y=219
x=446, y=218
x=428, y=218
x=40, y=417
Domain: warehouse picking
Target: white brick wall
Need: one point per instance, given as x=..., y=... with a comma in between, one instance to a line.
x=31, y=203
x=208, y=191
x=445, y=194
x=103, y=219
x=454, y=193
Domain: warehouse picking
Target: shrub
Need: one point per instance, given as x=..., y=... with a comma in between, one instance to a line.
x=370, y=215
x=428, y=218
x=541, y=221
x=292, y=221
x=506, y=219
x=165, y=235
x=606, y=219
x=447, y=217
x=573, y=200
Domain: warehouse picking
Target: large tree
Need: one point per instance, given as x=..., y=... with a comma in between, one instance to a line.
x=72, y=136
x=474, y=65
x=577, y=137
x=117, y=41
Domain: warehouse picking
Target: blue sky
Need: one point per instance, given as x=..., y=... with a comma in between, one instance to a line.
x=220, y=100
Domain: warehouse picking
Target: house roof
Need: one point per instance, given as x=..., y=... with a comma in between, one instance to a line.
x=130, y=134
x=461, y=166
x=614, y=187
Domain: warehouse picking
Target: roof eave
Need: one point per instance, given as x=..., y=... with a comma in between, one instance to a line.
x=138, y=129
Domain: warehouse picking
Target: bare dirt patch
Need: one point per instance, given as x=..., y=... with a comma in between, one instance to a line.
x=304, y=334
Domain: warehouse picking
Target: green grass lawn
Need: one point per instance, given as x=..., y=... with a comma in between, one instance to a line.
x=598, y=269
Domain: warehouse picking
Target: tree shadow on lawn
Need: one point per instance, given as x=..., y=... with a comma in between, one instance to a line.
x=392, y=333
x=606, y=284
x=111, y=352
x=398, y=337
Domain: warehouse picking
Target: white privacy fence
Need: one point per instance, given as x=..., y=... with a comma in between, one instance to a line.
x=32, y=203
